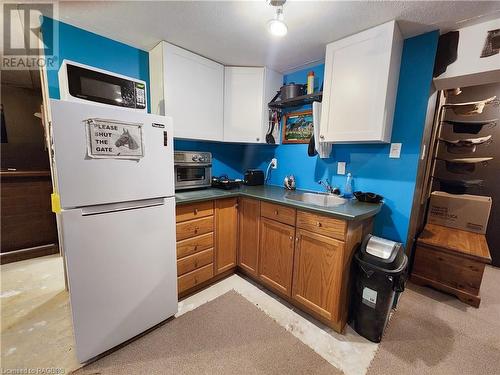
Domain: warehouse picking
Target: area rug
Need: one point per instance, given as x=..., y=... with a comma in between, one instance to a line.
x=433, y=333
x=228, y=335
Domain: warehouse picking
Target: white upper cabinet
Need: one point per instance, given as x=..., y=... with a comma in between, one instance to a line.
x=361, y=81
x=190, y=88
x=246, y=94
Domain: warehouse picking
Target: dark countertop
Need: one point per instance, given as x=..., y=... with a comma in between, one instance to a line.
x=352, y=210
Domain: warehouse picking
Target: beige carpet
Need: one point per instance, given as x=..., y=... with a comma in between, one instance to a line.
x=228, y=335
x=433, y=333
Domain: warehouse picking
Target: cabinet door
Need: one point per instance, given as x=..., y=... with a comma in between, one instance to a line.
x=243, y=104
x=226, y=213
x=361, y=77
x=193, y=93
x=316, y=273
x=249, y=225
x=276, y=255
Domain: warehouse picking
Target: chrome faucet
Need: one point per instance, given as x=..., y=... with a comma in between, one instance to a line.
x=329, y=188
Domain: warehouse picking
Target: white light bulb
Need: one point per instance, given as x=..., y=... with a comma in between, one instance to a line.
x=277, y=26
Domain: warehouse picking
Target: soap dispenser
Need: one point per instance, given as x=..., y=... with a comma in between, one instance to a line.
x=348, y=186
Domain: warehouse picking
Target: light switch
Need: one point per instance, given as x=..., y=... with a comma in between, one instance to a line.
x=395, y=152
x=341, y=167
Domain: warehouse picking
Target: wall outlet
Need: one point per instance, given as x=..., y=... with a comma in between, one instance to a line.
x=341, y=167
x=274, y=163
x=395, y=151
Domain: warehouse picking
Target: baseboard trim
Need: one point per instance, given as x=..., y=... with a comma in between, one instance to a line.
x=28, y=253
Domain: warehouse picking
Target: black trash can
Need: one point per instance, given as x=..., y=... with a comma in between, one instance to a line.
x=379, y=277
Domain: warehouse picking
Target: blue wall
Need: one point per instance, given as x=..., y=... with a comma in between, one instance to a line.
x=369, y=163
x=91, y=49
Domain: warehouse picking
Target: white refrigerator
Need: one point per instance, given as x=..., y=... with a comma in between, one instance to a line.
x=114, y=174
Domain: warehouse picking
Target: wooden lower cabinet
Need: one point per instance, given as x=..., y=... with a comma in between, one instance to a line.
x=226, y=234
x=276, y=255
x=317, y=273
x=249, y=227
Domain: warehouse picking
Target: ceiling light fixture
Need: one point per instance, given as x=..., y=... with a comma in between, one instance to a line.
x=277, y=26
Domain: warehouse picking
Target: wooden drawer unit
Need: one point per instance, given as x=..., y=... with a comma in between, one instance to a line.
x=454, y=271
x=194, y=261
x=283, y=214
x=194, y=211
x=451, y=260
x=194, y=278
x=195, y=244
x=194, y=228
x=325, y=225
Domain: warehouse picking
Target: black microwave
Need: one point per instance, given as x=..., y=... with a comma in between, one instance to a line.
x=83, y=83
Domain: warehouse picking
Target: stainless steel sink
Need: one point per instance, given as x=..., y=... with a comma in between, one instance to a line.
x=317, y=199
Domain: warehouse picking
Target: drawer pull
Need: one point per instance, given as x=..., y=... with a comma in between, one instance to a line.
x=196, y=264
x=195, y=280
x=319, y=224
x=196, y=211
x=195, y=247
x=291, y=238
x=196, y=230
x=276, y=212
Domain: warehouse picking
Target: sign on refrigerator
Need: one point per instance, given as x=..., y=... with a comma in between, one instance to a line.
x=114, y=140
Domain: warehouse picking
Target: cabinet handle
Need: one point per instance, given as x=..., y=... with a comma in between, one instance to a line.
x=319, y=224
x=257, y=139
x=195, y=247
x=322, y=136
x=196, y=230
x=196, y=211
x=296, y=239
x=276, y=212
x=291, y=238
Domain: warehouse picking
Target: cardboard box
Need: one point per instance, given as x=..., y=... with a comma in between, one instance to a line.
x=466, y=212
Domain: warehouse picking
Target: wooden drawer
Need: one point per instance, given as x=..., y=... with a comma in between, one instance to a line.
x=277, y=212
x=193, y=278
x=455, y=271
x=195, y=244
x=321, y=224
x=195, y=261
x=194, y=228
x=196, y=210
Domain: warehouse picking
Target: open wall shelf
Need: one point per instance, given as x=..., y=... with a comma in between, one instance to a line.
x=297, y=101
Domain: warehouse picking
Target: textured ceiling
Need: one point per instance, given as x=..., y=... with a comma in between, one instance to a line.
x=234, y=32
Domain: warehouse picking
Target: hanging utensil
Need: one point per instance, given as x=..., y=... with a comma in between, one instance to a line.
x=471, y=108
x=470, y=127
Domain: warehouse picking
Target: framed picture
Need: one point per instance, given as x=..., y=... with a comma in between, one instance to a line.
x=297, y=127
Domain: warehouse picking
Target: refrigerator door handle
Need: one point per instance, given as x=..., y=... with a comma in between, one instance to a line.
x=122, y=206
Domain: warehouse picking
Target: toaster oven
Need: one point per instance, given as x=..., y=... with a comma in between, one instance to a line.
x=193, y=169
